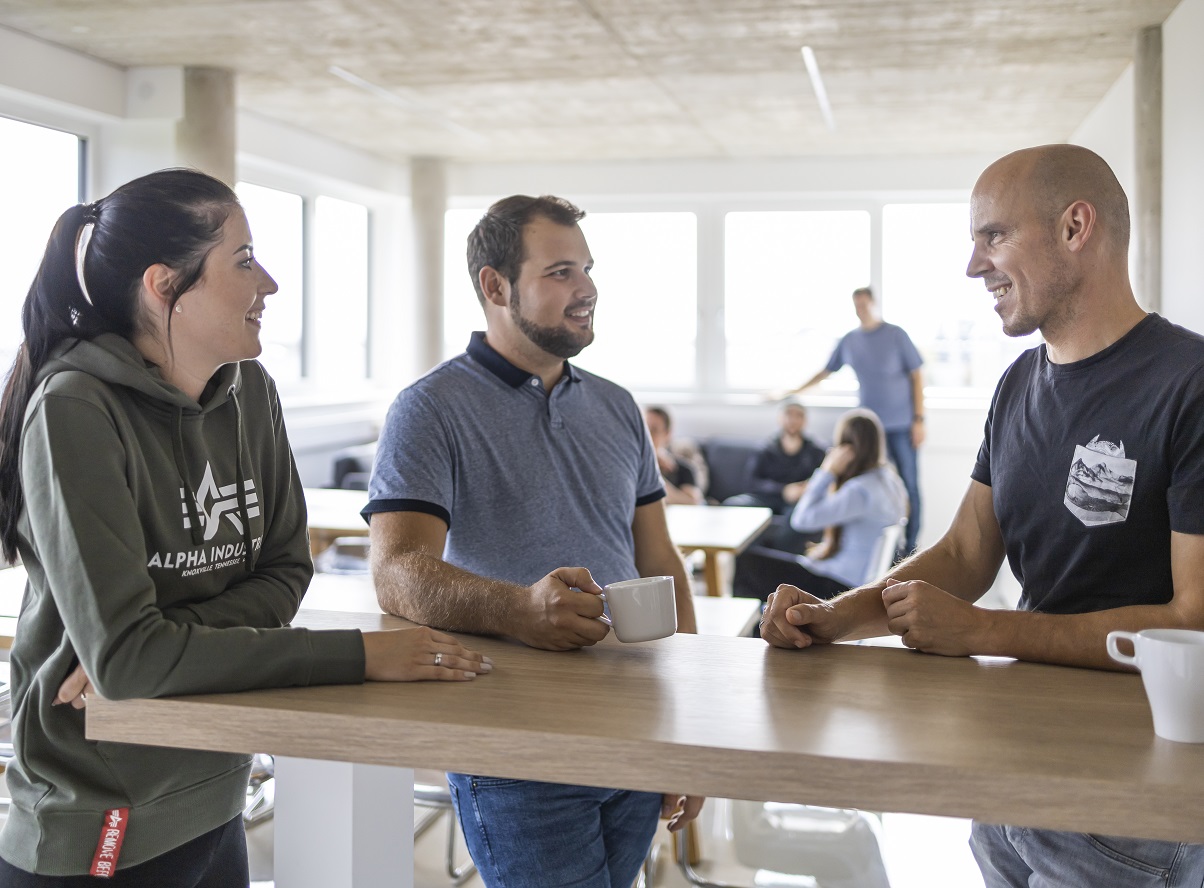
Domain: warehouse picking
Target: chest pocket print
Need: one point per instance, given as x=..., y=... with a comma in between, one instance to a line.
x=1099, y=486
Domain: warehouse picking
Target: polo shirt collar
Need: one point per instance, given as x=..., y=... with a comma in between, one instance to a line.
x=489, y=358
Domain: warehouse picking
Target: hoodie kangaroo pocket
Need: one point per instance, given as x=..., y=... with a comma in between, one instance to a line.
x=147, y=773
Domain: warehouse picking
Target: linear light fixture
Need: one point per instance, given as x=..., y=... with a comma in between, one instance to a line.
x=817, y=84
x=412, y=105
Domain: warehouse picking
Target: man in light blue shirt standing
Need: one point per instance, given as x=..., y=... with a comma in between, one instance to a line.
x=887, y=365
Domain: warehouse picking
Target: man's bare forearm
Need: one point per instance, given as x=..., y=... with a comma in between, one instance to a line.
x=430, y=591
x=941, y=565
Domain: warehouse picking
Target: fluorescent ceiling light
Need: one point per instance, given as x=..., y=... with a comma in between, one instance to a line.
x=817, y=84
x=412, y=104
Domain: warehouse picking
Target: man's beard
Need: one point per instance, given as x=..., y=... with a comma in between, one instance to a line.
x=554, y=340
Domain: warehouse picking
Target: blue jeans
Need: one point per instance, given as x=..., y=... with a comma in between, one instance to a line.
x=521, y=833
x=903, y=454
x=1016, y=857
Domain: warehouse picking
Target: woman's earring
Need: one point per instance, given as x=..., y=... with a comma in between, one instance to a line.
x=178, y=309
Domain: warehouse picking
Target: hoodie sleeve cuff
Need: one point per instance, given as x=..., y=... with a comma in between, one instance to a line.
x=337, y=656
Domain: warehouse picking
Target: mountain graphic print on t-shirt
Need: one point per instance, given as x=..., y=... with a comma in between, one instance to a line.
x=1100, y=484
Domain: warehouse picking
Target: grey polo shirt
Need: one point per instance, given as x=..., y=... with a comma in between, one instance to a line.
x=526, y=482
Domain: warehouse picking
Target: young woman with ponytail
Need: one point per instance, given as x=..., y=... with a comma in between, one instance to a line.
x=147, y=485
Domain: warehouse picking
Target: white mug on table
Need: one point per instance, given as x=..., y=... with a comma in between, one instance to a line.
x=1171, y=662
x=641, y=609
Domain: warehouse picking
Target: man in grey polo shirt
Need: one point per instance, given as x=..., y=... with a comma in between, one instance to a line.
x=495, y=471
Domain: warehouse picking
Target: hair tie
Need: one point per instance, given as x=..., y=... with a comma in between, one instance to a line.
x=81, y=252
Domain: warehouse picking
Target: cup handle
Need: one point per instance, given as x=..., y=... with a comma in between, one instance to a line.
x=604, y=618
x=1114, y=650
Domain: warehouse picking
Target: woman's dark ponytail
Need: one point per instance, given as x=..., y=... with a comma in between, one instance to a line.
x=171, y=217
x=48, y=316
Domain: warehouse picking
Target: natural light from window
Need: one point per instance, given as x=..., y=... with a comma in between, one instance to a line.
x=646, y=272
x=276, y=224
x=340, y=317
x=949, y=316
x=39, y=178
x=461, y=311
x=788, y=284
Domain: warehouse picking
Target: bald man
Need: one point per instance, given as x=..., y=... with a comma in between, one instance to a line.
x=1089, y=480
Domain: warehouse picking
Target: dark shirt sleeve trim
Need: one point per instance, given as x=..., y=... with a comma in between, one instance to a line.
x=406, y=505
x=981, y=474
x=650, y=498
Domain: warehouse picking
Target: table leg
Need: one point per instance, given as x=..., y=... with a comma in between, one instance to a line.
x=712, y=573
x=343, y=824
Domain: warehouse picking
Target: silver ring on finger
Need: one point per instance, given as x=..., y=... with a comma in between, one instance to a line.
x=439, y=658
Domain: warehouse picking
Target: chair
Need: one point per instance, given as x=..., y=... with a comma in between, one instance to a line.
x=730, y=463
x=430, y=791
x=261, y=790
x=885, y=550
x=352, y=466
x=837, y=847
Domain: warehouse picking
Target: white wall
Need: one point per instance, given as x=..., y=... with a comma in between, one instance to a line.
x=1183, y=164
x=1108, y=131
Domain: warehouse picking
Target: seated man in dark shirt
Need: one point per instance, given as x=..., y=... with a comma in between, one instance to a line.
x=780, y=471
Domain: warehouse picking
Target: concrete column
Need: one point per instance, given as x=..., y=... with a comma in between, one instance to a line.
x=205, y=135
x=428, y=201
x=1147, y=197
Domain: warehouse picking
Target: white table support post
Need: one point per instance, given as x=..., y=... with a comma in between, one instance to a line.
x=343, y=824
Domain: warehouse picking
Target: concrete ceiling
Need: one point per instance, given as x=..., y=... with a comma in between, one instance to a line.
x=630, y=79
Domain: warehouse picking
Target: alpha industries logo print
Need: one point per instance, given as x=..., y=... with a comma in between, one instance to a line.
x=212, y=502
x=1100, y=486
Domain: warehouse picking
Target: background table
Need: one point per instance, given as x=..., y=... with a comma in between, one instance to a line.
x=332, y=514
x=716, y=530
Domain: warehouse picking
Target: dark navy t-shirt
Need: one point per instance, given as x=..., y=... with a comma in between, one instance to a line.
x=1093, y=464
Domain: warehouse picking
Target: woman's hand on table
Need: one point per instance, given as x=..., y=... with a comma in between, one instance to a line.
x=420, y=654
x=74, y=689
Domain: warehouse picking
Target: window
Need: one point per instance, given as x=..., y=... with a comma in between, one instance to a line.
x=462, y=311
x=949, y=316
x=340, y=317
x=276, y=220
x=788, y=285
x=646, y=271
x=314, y=329
x=39, y=178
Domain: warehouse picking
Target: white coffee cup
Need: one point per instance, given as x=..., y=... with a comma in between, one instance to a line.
x=641, y=609
x=1172, y=669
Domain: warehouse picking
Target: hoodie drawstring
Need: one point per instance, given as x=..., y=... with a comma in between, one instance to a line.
x=177, y=448
x=251, y=554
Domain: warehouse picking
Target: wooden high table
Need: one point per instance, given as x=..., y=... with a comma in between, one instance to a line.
x=884, y=729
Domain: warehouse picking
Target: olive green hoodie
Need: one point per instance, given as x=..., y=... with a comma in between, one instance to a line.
x=166, y=545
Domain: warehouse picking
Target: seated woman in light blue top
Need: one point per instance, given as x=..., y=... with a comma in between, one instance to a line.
x=853, y=498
